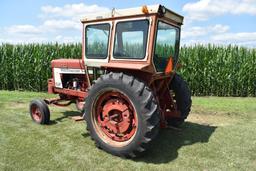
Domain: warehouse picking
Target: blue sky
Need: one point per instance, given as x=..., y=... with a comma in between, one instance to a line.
x=206, y=21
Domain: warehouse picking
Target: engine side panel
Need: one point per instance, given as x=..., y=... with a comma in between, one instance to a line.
x=59, y=72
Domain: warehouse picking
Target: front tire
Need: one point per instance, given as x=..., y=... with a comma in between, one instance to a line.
x=39, y=112
x=121, y=114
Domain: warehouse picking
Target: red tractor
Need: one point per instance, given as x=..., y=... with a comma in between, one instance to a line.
x=125, y=84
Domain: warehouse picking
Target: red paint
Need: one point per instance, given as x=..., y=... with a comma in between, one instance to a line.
x=68, y=63
x=36, y=113
x=167, y=105
x=126, y=65
x=50, y=85
x=116, y=116
x=70, y=92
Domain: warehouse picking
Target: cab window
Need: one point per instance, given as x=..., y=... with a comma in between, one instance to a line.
x=166, y=45
x=96, y=41
x=131, y=39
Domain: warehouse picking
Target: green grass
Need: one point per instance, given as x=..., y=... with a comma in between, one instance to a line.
x=219, y=135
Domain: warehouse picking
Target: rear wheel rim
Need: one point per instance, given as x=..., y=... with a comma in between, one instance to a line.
x=114, y=118
x=36, y=113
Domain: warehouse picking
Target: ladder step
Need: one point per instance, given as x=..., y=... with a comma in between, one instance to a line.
x=77, y=118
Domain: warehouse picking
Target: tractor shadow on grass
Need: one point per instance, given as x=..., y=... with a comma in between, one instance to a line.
x=65, y=115
x=166, y=146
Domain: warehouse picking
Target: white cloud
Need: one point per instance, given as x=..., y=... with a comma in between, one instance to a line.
x=204, y=9
x=193, y=32
x=24, y=40
x=67, y=39
x=73, y=10
x=244, y=38
x=218, y=28
x=23, y=29
x=54, y=24
x=62, y=23
x=55, y=20
x=235, y=37
x=197, y=31
x=192, y=42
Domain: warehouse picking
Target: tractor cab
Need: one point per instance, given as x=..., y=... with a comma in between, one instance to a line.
x=125, y=85
x=144, y=39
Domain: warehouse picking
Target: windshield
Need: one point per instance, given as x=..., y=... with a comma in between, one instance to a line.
x=166, y=45
x=131, y=39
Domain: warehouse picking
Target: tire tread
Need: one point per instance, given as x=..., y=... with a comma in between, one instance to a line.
x=151, y=115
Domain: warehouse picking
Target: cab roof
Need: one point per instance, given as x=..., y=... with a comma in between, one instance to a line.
x=143, y=10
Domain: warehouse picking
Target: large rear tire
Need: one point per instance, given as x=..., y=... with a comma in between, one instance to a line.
x=183, y=99
x=122, y=114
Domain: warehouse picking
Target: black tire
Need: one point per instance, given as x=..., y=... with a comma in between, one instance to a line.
x=183, y=99
x=43, y=109
x=147, y=113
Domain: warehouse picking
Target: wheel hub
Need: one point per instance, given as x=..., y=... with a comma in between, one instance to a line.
x=116, y=117
x=36, y=114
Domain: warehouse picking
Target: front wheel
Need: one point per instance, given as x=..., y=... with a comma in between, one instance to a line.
x=121, y=114
x=39, y=112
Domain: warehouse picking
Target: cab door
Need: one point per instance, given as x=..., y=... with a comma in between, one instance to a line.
x=96, y=43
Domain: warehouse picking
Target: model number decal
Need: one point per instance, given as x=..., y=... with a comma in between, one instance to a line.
x=64, y=70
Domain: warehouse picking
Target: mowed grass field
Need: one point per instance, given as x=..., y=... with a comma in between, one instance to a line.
x=220, y=134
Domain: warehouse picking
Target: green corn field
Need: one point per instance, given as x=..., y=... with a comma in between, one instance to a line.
x=210, y=70
x=219, y=70
x=27, y=67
